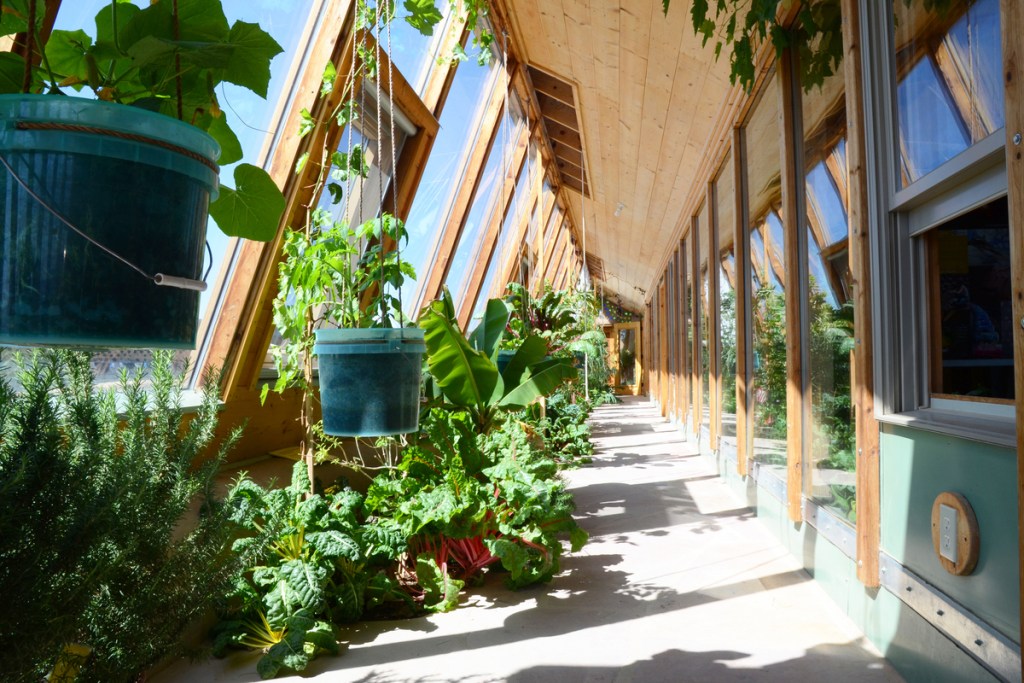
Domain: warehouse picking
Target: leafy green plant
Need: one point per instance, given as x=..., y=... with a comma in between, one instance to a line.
x=168, y=57
x=742, y=25
x=314, y=565
x=95, y=489
x=466, y=501
x=465, y=370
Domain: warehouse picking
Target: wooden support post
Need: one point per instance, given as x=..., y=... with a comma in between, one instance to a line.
x=684, y=319
x=742, y=268
x=867, y=493
x=696, y=381
x=1013, y=74
x=713, y=316
x=792, y=179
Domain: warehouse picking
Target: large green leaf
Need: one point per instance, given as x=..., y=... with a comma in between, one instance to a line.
x=423, y=15
x=531, y=351
x=12, y=70
x=230, y=147
x=466, y=377
x=252, y=210
x=306, y=581
x=249, y=66
x=440, y=591
x=489, y=332
x=544, y=377
x=67, y=53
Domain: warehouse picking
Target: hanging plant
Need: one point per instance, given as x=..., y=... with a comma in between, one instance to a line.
x=170, y=58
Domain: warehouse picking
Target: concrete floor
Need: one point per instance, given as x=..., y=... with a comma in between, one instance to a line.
x=678, y=583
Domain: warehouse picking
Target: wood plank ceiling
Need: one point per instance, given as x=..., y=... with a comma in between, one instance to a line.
x=647, y=95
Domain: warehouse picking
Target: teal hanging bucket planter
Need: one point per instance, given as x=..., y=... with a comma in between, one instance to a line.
x=130, y=181
x=503, y=359
x=370, y=380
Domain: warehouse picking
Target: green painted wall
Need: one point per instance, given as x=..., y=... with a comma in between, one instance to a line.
x=916, y=648
x=915, y=467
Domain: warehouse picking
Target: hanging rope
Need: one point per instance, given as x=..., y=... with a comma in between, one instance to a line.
x=380, y=163
x=394, y=168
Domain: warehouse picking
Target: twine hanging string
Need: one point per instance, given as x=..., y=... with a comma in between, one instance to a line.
x=394, y=170
x=380, y=161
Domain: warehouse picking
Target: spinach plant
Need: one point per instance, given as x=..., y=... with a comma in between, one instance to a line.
x=168, y=57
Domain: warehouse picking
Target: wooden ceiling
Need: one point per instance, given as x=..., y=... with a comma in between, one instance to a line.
x=647, y=96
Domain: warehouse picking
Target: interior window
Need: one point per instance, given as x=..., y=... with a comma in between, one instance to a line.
x=970, y=308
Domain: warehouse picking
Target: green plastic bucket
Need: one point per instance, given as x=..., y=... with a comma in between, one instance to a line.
x=136, y=196
x=370, y=380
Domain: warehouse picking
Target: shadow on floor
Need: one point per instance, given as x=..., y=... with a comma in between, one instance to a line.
x=589, y=594
x=823, y=662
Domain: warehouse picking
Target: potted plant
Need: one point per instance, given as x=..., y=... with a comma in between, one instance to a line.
x=105, y=198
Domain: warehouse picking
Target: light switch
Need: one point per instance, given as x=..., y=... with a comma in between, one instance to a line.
x=947, y=532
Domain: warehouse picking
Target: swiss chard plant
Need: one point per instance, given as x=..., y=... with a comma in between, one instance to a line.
x=314, y=565
x=468, y=501
x=169, y=57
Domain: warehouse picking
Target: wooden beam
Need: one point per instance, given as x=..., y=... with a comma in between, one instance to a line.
x=566, y=153
x=742, y=288
x=569, y=170
x=713, y=315
x=792, y=178
x=576, y=185
x=1013, y=75
x=566, y=136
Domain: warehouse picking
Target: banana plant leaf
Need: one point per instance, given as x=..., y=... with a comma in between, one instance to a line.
x=467, y=377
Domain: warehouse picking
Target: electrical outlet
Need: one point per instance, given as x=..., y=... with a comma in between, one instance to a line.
x=947, y=532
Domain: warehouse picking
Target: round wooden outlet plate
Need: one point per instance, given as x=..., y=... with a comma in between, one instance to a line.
x=968, y=537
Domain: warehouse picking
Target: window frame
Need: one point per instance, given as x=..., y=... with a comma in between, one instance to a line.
x=902, y=217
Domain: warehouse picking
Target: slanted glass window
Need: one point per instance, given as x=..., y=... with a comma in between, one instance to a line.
x=767, y=246
x=831, y=453
x=486, y=201
x=411, y=52
x=688, y=324
x=949, y=92
x=463, y=108
x=971, y=312
x=507, y=239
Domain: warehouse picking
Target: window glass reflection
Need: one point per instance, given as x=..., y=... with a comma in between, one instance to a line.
x=949, y=91
x=972, y=321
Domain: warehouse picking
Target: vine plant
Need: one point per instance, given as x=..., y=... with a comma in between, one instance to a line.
x=332, y=272
x=742, y=25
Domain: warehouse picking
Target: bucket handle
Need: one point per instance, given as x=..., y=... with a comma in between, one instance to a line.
x=159, y=278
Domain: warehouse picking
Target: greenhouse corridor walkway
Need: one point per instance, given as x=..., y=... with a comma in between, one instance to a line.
x=679, y=582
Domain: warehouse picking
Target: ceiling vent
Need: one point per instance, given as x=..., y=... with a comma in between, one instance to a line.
x=562, y=125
